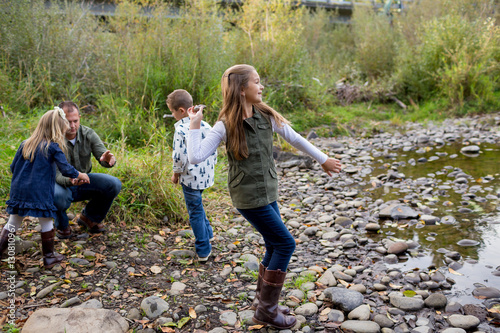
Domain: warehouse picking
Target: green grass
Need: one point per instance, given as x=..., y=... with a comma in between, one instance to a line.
x=440, y=58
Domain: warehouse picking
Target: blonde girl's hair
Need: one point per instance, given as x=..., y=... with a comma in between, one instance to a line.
x=52, y=127
x=233, y=81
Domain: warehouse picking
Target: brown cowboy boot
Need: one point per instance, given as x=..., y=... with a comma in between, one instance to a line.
x=4, y=240
x=267, y=312
x=281, y=308
x=92, y=227
x=50, y=257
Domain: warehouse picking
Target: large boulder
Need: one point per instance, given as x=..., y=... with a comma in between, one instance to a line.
x=75, y=320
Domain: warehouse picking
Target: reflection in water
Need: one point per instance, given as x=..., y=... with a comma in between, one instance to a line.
x=471, y=203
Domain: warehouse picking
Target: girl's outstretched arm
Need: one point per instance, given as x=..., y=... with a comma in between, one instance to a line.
x=200, y=149
x=329, y=165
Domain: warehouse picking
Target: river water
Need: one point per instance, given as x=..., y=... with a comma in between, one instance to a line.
x=481, y=223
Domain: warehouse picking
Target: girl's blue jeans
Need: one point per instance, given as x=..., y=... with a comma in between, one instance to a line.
x=101, y=192
x=199, y=222
x=280, y=244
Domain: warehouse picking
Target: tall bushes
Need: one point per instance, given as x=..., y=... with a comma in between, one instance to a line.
x=435, y=49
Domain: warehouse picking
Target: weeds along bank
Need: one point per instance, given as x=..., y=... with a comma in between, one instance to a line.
x=437, y=57
x=436, y=49
x=147, y=195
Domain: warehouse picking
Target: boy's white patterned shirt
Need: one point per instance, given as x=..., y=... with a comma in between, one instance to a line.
x=196, y=176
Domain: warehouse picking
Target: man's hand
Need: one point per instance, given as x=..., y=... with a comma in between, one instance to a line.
x=108, y=158
x=331, y=165
x=80, y=181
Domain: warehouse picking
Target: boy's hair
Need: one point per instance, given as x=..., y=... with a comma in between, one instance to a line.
x=68, y=106
x=233, y=81
x=52, y=127
x=179, y=98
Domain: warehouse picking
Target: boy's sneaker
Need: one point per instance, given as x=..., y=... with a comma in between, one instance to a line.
x=203, y=259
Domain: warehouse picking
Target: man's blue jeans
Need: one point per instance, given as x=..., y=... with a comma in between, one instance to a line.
x=199, y=222
x=280, y=243
x=101, y=192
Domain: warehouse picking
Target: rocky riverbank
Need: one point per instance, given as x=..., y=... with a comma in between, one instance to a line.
x=344, y=276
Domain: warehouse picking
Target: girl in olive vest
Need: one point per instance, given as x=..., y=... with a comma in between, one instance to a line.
x=246, y=125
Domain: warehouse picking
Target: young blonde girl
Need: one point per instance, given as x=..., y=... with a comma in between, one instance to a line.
x=246, y=125
x=33, y=178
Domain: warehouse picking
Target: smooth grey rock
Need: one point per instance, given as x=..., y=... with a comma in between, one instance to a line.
x=436, y=301
x=154, y=306
x=397, y=248
x=454, y=330
x=70, y=302
x=134, y=314
x=407, y=303
x=177, y=288
x=361, y=326
x=362, y=312
x=383, y=321
x=346, y=300
x=486, y=292
x=307, y=309
x=228, y=318
x=473, y=149
x=47, y=290
x=90, y=304
x=466, y=322
x=397, y=212
x=75, y=320
x=327, y=279
x=343, y=221
x=336, y=316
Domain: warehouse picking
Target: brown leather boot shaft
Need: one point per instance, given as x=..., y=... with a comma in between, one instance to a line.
x=4, y=240
x=255, y=302
x=283, y=309
x=50, y=258
x=267, y=312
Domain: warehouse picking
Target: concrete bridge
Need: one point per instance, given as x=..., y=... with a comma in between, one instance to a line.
x=343, y=8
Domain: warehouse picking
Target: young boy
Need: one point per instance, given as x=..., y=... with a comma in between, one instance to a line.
x=193, y=178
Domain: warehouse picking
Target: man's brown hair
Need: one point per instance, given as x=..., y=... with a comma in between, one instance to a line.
x=179, y=98
x=68, y=106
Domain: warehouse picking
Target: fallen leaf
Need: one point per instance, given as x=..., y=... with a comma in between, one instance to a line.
x=183, y=321
x=395, y=286
x=167, y=330
x=255, y=327
x=344, y=283
x=88, y=273
x=454, y=272
x=389, y=316
x=409, y=293
x=192, y=313
x=325, y=311
x=495, y=309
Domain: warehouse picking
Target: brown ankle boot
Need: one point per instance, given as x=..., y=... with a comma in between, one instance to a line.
x=267, y=312
x=281, y=308
x=4, y=240
x=50, y=257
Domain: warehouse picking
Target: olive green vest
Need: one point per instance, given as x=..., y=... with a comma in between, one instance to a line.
x=253, y=181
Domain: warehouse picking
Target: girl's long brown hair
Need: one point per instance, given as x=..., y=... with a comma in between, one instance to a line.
x=52, y=127
x=233, y=81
